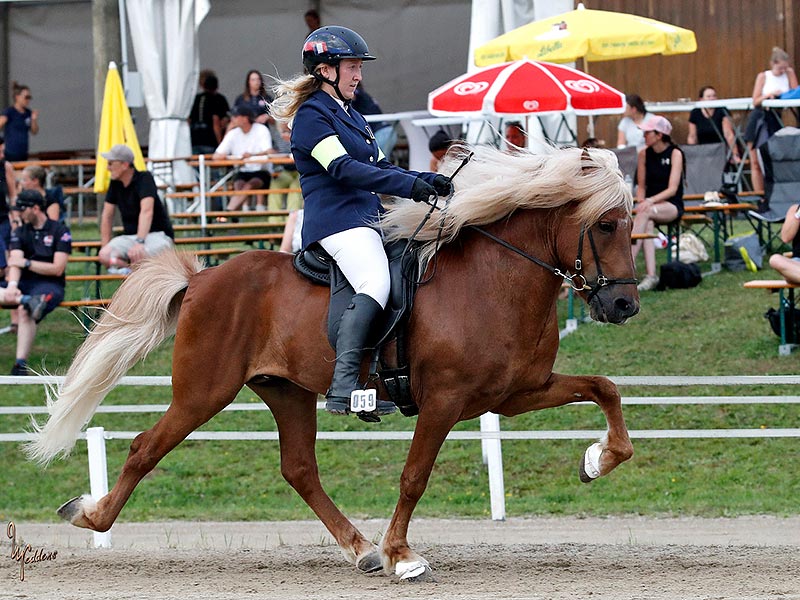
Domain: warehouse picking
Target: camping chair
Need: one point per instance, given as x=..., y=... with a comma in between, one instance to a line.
x=628, y=160
x=781, y=157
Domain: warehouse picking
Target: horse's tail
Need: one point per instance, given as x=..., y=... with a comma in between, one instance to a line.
x=142, y=314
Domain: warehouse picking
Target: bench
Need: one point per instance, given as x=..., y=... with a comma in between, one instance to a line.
x=786, y=306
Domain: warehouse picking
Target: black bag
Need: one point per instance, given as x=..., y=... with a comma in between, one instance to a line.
x=677, y=275
x=792, y=324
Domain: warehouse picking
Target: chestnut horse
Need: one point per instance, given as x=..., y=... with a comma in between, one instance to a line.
x=483, y=334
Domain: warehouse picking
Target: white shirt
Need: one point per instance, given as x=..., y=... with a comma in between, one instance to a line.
x=256, y=141
x=775, y=84
x=633, y=135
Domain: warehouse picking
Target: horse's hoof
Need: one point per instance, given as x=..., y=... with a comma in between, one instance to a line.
x=414, y=570
x=590, y=465
x=370, y=563
x=74, y=511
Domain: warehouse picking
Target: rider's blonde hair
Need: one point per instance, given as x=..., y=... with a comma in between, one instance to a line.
x=290, y=95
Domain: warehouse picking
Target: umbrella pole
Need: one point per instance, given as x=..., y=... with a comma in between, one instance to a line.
x=590, y=127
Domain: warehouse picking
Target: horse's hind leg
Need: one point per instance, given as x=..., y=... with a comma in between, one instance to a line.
x=295, y=412
x=190, y=408
x=602, y=457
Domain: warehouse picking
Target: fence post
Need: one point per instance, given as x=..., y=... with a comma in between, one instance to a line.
x=98, y=475
x=493, y=457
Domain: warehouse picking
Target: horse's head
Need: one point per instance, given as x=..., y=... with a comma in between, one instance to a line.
x=598, y=258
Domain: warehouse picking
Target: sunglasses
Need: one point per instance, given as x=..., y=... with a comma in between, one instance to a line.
x=28, y=97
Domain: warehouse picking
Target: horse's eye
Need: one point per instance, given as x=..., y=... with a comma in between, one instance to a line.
x=606, y=226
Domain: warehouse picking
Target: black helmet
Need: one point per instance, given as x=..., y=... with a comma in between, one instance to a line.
x=331, y=44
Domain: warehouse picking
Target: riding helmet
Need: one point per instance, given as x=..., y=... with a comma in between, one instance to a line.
x=330, y=44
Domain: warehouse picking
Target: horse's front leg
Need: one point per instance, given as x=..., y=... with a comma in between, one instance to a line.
x=433, y=425
x=602, y=457
x=295, y=411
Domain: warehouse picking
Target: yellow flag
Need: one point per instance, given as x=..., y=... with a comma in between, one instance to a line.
x=116, y=127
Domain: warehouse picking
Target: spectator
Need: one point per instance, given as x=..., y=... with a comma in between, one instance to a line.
x=763, y=122
x=33, y=177
x=438, y=145
x=660, y=189
x=145, y=224
x=37, y=261
x=292, y=240
x=628, y=131
x=790, y=234
x=18, y=120
x=515, y=137
x=244, y=140
x=593, y=142
x=712, y=125
x=208, y=117
x=255, y=96
x=8, y=191
x=384, y=132
x=312, y=20
x=285, y=177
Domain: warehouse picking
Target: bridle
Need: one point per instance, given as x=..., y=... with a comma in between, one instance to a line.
x=576, y=280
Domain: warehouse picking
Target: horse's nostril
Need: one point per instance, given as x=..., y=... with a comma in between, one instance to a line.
x=623, y=305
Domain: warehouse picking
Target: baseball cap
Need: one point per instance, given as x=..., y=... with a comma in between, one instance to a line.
x=28, y=198
x=656, y=123
x=119, y=152
x=242, y=110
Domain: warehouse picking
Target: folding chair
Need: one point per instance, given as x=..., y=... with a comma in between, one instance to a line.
x=781, y=157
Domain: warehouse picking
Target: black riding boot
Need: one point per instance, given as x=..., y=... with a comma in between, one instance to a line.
x=350, y=342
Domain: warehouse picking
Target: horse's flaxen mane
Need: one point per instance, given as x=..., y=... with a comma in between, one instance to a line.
x=493, y=184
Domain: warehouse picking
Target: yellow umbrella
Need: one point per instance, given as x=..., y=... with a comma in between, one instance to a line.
x=116, y=127
x=593, y=35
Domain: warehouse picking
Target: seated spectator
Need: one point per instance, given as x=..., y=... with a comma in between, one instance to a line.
x=438, y=145
x=712, y=125
x=292, y=240
x=208, y=118
x=384, y=131
x=659, y=194
x=146, y=227
x=285, y=177
x=36, y=265
x=515, y=137
x=247, y=139
x=593, y=142
x=34, y=177
x=789, y=268
x=628, y=131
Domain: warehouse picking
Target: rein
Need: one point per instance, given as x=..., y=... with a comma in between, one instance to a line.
x=576, y=280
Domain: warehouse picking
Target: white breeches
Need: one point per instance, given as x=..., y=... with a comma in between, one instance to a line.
x=360, y=255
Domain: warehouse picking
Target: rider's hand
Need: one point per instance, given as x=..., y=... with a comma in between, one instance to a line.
x=422, y=190
x=443, y=185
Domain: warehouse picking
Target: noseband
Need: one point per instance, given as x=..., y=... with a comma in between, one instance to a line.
x=577, y=280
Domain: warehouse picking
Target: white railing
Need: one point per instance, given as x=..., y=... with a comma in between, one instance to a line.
x=490, y=434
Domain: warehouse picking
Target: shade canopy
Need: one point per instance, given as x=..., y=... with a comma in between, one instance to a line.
x=594, y=35
x=525, y=87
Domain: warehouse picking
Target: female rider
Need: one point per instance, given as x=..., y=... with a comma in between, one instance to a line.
x=342, y=171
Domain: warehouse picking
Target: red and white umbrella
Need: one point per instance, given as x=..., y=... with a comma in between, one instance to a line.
x=525, y=87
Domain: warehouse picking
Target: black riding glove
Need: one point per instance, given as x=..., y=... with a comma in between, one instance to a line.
x=443, y=185
x=421, y=191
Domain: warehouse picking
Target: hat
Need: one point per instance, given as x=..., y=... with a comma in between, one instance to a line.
x=28, y=198
x=119, y=152
x=656, y=123
x=242, y=110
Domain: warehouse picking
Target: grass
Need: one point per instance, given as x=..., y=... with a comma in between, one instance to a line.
x=715, y=329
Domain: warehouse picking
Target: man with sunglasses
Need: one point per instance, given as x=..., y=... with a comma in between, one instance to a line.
x=37, y=261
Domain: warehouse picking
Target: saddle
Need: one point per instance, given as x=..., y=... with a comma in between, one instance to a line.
x=320, y=268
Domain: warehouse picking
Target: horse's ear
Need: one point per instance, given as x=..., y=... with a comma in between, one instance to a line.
x=587, y=164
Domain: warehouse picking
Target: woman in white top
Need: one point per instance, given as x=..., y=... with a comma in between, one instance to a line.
x=780, y=78
x=628, y=132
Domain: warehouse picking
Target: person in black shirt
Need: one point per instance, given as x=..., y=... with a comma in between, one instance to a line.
x=146, y=226
x=37, y=261
x=8, y=191
x=208, y=117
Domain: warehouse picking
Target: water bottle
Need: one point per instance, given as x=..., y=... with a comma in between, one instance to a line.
x=629, y=182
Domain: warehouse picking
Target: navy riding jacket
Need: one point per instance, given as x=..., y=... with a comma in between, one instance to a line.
x=341, y=169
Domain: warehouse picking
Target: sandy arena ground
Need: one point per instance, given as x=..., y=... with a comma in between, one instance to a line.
x=543, y=558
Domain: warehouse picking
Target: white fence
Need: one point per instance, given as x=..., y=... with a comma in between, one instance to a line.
x=490, y=434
